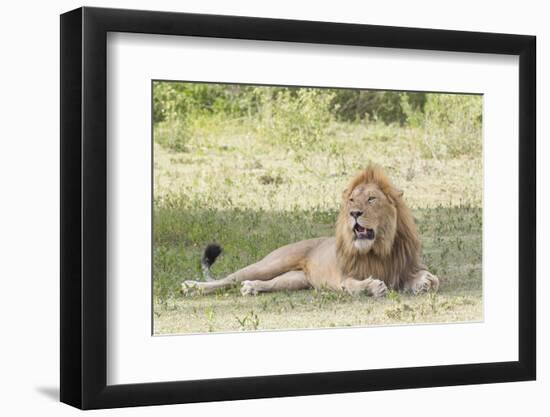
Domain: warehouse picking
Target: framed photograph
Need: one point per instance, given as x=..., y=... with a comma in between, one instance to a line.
x=257, y=208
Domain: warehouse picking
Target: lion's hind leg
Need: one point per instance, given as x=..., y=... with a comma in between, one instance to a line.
x=264, y=270
x=421, y=282
x=274, y=265
x=291, y=281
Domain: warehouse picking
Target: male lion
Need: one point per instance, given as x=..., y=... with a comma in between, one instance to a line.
x=376, y=247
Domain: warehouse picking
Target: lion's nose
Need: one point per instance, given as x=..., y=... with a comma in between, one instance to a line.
x=355, y=214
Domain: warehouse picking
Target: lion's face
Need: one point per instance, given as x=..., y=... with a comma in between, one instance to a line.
x=370, y=217
x=375, y=232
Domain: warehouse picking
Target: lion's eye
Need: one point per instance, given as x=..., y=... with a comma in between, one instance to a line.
x=371, y=199
x=351, y=200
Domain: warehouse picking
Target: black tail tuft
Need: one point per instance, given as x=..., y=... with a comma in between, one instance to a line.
x=211, y=252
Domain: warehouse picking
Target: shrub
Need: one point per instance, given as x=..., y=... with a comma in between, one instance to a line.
x=173, y=135
x=179, y=100
x=383, y=106
x=450, y=125
x=296, y=118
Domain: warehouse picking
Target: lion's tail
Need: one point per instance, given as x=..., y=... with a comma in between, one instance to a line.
x=211, y=253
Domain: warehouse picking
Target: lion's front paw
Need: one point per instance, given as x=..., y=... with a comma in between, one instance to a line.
x=371, y=286
x=378, y=288
x=248, y=288
x=425, y=282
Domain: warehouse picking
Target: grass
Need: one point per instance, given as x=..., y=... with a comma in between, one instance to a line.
x=230, y=185
x=308, y=309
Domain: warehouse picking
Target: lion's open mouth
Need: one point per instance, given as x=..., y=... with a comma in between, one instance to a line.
x=362, y=232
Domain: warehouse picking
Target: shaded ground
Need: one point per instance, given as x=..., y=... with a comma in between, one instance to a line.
x=452, y=249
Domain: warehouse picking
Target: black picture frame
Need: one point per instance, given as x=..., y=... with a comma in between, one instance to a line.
x=84, y=207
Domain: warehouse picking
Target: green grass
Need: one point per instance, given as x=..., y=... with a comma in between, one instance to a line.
x=233, y=186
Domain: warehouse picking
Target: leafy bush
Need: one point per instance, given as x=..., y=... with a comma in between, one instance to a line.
x=296, y=118
x=450, y=125
x=300, y=119
x=384, y=106
x=179, y=100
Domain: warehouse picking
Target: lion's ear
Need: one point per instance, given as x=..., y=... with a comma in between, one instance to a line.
x=395, y=192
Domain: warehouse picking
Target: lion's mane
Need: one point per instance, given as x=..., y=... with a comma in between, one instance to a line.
x=395, y=255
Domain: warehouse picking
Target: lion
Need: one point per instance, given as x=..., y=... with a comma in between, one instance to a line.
x=376, y=248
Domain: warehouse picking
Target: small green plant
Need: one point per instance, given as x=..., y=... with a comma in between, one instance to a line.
x=432, y=297
x=401, y=312
x=264, y=303
x=324, y=296
x=250, y=321
x=394, y=313
x=393, y=296
x=209, y=313
x=271, y=177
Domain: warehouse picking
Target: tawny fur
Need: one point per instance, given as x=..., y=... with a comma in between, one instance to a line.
x=395, y=256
